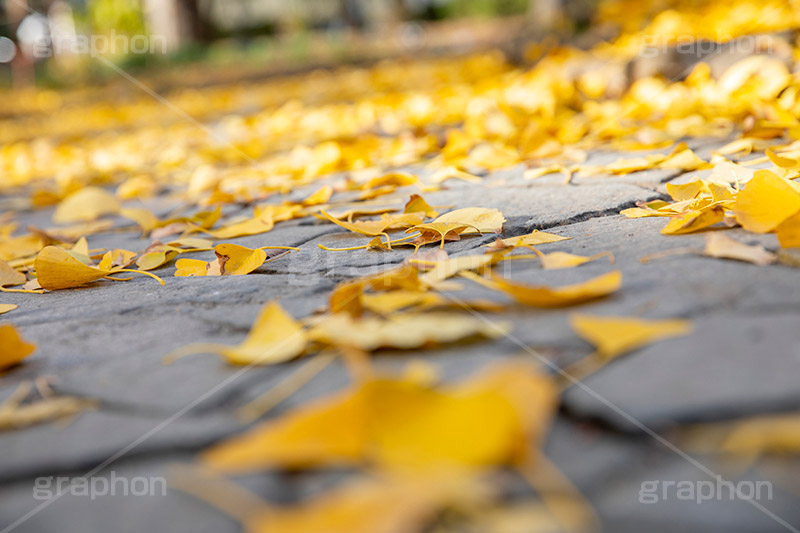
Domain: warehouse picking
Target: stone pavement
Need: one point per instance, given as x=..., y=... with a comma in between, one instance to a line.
x=743, y=358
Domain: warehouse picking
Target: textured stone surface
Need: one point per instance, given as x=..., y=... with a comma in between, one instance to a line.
x=107, y=342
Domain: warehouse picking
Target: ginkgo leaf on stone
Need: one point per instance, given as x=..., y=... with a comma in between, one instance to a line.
x=236, y=260
x=765, y=202
x=57, y=269
x=5, y=308
x=544, y=296
x=402, y=330
x=557, y=260
x=10, y=277
x=438, y=232
x=320, y=196
x=15, y=348
x=275, y=337
x=534, y=238
x=85, y=205
x=788, y=232
x=613, y=336
x=404, y=426
x=449, y=267
x=417, y=204
x=723, y=247
x=191, y=267
x=693, y=221
x=479, y=219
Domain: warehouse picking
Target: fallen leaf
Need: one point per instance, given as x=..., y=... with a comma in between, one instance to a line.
x=613, y=336
x=57, y=269
x=275, y=337
x=86, y=205
x=765, y=202
x=401, y=330
x=5, y=308
x=788, y=232
x=10, y=277
x=15, y=348
x=544, y=296
x=534, y=238
x=404, y=426
x=723, y=247
x=557, y=260
x=479, y=219
x=236, y=260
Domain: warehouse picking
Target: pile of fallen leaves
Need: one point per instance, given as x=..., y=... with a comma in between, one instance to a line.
x=424, y=449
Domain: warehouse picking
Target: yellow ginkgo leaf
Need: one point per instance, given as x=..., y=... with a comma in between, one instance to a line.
x=5, y=308
x=373, y=228
x=155, y=256
x=693, y=221
x=145, y=218
x=685, y=191
x=57, y=269
x=723, y=247
x=417, y=204
x=534, y=238
x=404, y=331
x=788, y=232
x=557, y=260
x=438, y=231
x=449, y=267
x=613, y=336
x=404, y=426
x=391, y=179
x=479, y=219
x=191, y=267
x=10, y=277
x=781, y=161
x=766, y=201
x=15, y=348
x=116, y=258
x=238, y=260
x=251, y=226
x=275, y=337
x=85, y=205
x=543, y=296
x=320, y=196
x=385, y=303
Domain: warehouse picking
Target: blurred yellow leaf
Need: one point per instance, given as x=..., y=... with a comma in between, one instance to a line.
x=723, y=247
x=766, y=201
x=402, y=330
x=479, y=219
x=405, y=426
x=613, y=336
x=85, y=205
x=275, y=337
x=543, y=296
x=15, y=348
